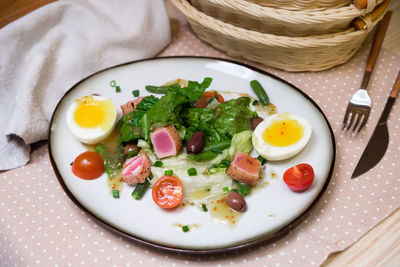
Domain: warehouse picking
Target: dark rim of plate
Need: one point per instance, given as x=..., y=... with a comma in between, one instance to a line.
x=246, y=244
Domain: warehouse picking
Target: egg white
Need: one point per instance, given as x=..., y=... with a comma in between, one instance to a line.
x=91, y=136
x=271, y=152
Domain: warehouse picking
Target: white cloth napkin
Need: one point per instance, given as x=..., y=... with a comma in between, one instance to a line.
x=45, y=53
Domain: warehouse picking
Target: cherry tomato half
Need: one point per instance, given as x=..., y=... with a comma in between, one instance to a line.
x=88, y=165
x=299, y=177
x=167, y=192
x=203, y=101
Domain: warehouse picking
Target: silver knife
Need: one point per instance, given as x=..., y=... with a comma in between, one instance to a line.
x=379, y=141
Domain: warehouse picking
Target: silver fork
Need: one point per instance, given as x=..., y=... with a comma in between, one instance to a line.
x=360, y=103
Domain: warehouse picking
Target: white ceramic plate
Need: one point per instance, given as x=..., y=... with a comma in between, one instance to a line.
x=145, y=222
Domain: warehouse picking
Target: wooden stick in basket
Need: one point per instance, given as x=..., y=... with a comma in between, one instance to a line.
x=359, y=23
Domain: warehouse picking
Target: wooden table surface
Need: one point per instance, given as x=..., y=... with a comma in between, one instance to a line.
x=381, y=245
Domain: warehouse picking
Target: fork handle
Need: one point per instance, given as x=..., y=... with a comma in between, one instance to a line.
x=378, y=40
x=396, y=87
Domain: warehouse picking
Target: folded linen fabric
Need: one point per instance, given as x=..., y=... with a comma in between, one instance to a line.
x=46, y=52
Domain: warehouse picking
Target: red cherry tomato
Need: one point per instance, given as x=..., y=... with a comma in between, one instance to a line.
x=167, y=192
x=299, y=177
x=209, y=95
x=88, y=165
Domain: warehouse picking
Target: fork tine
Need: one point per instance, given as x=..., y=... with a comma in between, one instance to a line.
x=346, y=116
x=366, y=115
x=352, y=116
x=359, y=115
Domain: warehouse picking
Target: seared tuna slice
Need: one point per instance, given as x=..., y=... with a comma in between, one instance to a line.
x=130, y=105
x=245, y=169
x=136, y=169
x=166, y=141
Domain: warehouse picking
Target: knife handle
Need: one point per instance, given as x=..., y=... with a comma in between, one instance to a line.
x=378, y=40
x=396, y=87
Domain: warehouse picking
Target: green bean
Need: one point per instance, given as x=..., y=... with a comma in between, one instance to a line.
x=203, y=156
x=221, y=145
x=260, y=92
x=140, y=189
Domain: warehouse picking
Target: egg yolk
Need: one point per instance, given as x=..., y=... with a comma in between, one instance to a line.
x=283, y=133
x=91, y=113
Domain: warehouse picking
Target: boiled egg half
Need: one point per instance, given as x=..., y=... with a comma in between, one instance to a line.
x=281, y=136
x=92, y=119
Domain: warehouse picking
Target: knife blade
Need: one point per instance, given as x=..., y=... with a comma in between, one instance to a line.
x=378, y=143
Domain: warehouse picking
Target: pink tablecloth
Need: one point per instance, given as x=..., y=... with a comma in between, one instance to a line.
x=40, y=226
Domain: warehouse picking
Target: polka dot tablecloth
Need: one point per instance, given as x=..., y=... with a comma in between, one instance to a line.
x=40, y=226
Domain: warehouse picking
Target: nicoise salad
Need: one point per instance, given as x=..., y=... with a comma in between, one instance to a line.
x=190, y=145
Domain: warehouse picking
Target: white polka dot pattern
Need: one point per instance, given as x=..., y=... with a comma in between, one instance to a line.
x=40, y=226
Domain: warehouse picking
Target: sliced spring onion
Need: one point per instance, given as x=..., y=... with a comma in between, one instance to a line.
x=225, y=189
x=117, y=89
x=158, y=163
x=204, y=207
x=255, y=102
x=135, y=93
x=115, y=193
x=113, y=83
x=185, y=228
x=262, y=160
x=192, y=172
x=169, y=172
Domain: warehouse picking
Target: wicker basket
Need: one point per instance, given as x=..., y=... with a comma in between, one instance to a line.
x=312, y=53
x=252, y=16
x=302, y=4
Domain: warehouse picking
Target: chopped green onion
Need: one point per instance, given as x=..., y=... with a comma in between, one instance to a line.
x=117, y=89
x=158, y=163
x=208, y=189
x=185, y=228
x=135, y=93
x=254, y=114
x=216, y=150
x=192, y=172
x=255, y=102
x=235, y=190
x=262, y=160
x=71, y=163
x=140, y=189
x=225, y=189
x=204, y=207
x=113, y=83
x=168, y=172
x=115, y=193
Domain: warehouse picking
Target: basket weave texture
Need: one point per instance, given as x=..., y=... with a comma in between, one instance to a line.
x=311, y=53
x=302, y=4
x=281, y=21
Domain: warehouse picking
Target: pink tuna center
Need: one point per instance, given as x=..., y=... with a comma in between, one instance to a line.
x=246, y=164
x=163, y=143
x=133, y=165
